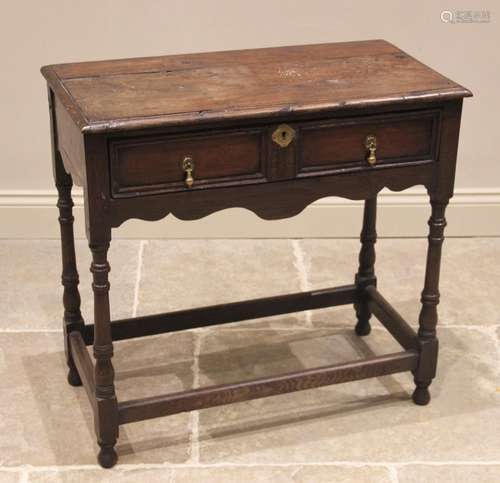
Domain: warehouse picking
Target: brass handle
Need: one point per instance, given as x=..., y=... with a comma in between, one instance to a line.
x=371, y=145
x=188, y=168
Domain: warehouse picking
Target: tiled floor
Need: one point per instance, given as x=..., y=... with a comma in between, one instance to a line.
x=367, y=431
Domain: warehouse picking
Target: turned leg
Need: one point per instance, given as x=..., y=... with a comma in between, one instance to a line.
x=71, y=297
x=366, y=271
x=106, y=417
x=430, y=298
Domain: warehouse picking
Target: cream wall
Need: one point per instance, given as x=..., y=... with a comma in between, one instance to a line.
x=34, y=33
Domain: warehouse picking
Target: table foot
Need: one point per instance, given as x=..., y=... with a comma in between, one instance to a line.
x=107, y=456
x=421, y=395
x=74, y=378
x=363, y=328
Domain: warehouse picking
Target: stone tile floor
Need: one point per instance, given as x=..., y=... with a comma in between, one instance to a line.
x=367, y=431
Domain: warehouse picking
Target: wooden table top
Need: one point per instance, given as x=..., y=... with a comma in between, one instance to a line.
x=136, y=93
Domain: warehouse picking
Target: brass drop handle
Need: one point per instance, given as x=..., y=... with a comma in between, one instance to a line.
x=371, y=145
x=188, y=168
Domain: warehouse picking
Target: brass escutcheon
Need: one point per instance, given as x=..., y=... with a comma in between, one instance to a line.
x=283, y=135
x=188, y=168
x=371, y=145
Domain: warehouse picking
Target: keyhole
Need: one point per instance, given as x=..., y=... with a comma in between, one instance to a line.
x=283, y=135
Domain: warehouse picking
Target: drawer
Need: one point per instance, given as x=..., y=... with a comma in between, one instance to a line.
x=155, y=164
x=342, y=144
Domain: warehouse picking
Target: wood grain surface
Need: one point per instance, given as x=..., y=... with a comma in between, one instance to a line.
x=159, y=91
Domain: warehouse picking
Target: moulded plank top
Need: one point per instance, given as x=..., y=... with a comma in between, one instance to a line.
x=159, y=91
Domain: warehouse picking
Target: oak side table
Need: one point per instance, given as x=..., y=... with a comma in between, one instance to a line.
x=270, y=130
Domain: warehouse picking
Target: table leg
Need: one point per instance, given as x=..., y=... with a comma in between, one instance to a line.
x=430, y=298
x=106, y=417
x=73, y=319
x=366, y=271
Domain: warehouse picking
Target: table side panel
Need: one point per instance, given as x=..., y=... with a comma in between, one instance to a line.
x=69, y=142
x=444, y=177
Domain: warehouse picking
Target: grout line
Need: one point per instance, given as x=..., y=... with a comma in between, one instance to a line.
x=276, y=329
x=393, y=474
x=484, y=328
x=138, y=277
x=300, y=265
x=23, y=478
x=468, y=326
x=195, y=415
x=353, y=464
x=490, y=331
x=496, y=339
x=297, y=328
x=29, y=331
x=444, y=463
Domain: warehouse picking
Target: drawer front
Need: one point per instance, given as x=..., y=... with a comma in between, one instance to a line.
x=156, y=164
x=342, y=144
x=148, y=165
